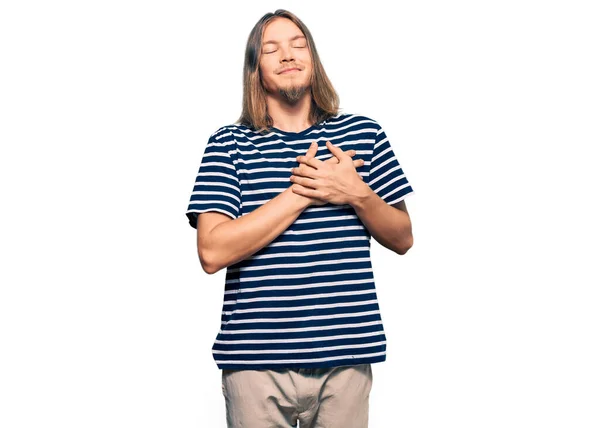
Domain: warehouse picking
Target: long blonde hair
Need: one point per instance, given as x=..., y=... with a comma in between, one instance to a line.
x=325, y=100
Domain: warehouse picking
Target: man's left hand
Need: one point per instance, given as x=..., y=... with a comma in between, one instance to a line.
x=337, y=183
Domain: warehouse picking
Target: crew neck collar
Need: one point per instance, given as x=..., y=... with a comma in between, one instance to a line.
x=296, y=134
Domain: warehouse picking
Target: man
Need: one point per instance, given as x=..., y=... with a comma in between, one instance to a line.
x=300, y=325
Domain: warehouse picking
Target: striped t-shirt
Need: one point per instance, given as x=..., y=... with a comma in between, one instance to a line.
x=308, y=298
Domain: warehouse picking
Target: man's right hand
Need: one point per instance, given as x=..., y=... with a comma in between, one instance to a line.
x=311, y=153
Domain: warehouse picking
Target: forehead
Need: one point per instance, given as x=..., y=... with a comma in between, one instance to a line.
x=281, y=30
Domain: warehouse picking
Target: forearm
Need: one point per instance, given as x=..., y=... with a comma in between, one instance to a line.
x=390, y=226
x=235, y=240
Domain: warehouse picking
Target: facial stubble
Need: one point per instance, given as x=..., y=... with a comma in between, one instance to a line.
x=291, y=94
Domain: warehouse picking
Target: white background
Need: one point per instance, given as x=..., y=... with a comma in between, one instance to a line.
x=492, y=108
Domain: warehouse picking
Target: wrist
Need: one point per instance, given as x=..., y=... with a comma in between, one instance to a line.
x=298, y=201
x=362, y=197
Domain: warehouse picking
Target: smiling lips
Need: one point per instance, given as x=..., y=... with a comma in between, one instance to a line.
x=289, y=70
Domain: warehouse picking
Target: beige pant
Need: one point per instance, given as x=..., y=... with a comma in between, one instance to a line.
x=332, y=397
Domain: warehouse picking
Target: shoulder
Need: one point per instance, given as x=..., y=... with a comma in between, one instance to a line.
x=226, y=131
x=223, y=140
x=236, y=132
x=368, y=127
x=229, y=135
x=357, y=120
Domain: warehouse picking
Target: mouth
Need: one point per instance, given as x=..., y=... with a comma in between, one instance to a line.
x=289, y=70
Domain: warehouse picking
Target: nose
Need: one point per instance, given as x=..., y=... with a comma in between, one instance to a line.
x=286, y=54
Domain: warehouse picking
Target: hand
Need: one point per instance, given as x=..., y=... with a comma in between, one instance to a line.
x=312, y=151
x=308, y=174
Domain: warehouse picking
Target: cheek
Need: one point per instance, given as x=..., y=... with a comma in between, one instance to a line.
x=263, y=72
x=262, y=66
x=309, y=72
x=307, y=61
x=267, y=68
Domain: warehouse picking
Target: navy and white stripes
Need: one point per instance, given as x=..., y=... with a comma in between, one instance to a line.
x=386, y=177
x=217, y=187
x=307, y=299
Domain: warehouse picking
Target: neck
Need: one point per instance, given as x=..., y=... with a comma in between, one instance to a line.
x=290, y=117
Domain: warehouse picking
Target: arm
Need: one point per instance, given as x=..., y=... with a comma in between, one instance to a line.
x=223, y=241
x=389, y=224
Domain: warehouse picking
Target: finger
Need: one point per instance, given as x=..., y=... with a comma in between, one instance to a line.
x=310, y=161
x=310, y=153
x=304, y=181
x=306, y=191
x=333, y=159
x=337, y=152
x=358, y=162
x=312, y=150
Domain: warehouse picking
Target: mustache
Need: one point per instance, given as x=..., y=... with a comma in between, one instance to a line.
x=288, y=67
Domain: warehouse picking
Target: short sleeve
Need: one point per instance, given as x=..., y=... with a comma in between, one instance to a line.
x=386, y=177
x=217, y=187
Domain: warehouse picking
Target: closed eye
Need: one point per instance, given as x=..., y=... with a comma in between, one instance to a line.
x=297, y=47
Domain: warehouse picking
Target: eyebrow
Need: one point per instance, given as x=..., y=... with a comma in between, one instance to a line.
x=299, y=36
